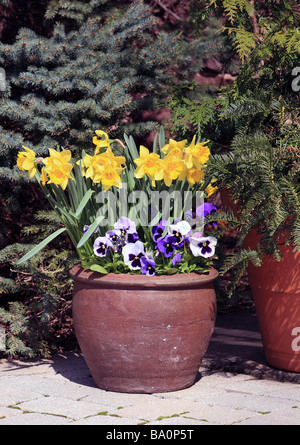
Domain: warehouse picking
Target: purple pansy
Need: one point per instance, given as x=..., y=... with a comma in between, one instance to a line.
x=158, y=231
x=206, y=209
x=167, y=245
x=181, y=231
x=132, y=237
x=148, y=266
x=132, y=253
x=176, y=258
x=113, y=235
x=125, y=225
x=102, y=246
x=202, y=245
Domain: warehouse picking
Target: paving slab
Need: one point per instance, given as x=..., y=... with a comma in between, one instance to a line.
x=235, y=386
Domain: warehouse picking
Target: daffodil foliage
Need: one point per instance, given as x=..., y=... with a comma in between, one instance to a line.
x=117, y=242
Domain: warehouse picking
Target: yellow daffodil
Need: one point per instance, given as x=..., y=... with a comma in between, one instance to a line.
x=194, y=175
x=102, y=163
x=27, y=161
x=149, y=164
x=210, y=189
x=101, y=140
x=91, y=163
x=196, y=154
x=110, y=177
x=44, y=178
x=173, y=144
x=173, y=166
x=116, y=161
x=58, y=167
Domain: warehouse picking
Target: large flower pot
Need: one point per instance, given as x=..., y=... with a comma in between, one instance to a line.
x=143, y=334
x=276, y=293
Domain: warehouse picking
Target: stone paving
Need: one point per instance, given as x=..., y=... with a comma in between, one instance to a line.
x=235, y=387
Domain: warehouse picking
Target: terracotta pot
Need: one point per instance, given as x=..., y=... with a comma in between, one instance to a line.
x=143, y=334
x=227, y=201
x=276, y=293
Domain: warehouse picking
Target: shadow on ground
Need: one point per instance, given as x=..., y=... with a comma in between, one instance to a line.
x=236, y=347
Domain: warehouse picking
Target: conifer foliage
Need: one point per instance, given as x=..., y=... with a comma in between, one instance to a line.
x=61, y=89
x=102, y=65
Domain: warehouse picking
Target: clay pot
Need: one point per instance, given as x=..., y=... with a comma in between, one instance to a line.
x=275, y=289
x=276, y=293
x=143, y=334
x=227, y=201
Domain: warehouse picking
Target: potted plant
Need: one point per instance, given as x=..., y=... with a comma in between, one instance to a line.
x=144, y=304
x=254, y=131
x=266, y=214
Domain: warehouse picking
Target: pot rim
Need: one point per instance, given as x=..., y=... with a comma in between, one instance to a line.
x=178, y=281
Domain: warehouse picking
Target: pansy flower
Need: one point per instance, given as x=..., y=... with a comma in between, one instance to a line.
x=148, y=266
x=132, y=237
x=167, y=245
x=176, y=258
x=125, y=225
x=132, y=253
x=202, y=245
x=180, y=231
x=113, y=235
x=206, y=209
x=157, y=231
x=102, y=246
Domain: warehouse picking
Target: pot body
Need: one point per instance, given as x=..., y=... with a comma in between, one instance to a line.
x=276, y=293
x=143, y=334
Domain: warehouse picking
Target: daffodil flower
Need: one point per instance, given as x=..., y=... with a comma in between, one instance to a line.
x=91, y=163
x=58, y=167
x=196, y=155
x=27, y=161
x=173, y=145
x=149, y=164
x=210, y=189
x=173, y=166
x=101, y=140
x=109, y=177
x=194, y=175
x=44, y=178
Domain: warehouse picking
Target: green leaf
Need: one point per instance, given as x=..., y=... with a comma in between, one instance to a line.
x=171, y=271
x=98, y=268
x=161, y=137
x=131, y=146
x=90, y=231
x=83, y=203
x=40, y=246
